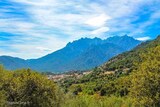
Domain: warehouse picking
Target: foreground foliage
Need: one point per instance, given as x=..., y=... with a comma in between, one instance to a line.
x=97, y=101
x=23, y=88
x=145, y=88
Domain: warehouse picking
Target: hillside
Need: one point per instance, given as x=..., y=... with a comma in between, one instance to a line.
x=128, y=59
x=137, y=88
x=116, y=70
x=81, y=54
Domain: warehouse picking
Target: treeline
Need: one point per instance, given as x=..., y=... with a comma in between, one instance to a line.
x=26, y=88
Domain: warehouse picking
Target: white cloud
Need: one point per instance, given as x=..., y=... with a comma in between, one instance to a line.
x=98, y=21
x=100, y=30
x=43, y=49
x=143, y=38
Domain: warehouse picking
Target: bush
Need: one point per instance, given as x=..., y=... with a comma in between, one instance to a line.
x=97, y=101
x=145, y=87
x=27, y=88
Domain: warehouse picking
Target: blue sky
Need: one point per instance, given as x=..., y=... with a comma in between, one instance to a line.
x=33, y=28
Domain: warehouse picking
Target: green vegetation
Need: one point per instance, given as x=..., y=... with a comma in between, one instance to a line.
x=96, y=101
x=145, y=88
x=27, y=88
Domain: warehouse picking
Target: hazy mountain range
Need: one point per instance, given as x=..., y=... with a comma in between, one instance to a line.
x=81, y=54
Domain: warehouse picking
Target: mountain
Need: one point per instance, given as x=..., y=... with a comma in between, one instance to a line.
x=13, y=62
x=58, y=60
x=81, y=54
x=127, y=60
x=95, y=56
x=125, y=41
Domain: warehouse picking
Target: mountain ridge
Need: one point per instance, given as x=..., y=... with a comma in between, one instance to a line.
x=81, y=54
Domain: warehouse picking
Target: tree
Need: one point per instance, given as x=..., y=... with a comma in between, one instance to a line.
x=145, y=88
x=27, y=88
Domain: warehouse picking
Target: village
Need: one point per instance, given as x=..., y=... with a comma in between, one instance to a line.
x=58, y=77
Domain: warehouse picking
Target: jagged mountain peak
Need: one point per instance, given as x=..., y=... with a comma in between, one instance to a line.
x=85, y=53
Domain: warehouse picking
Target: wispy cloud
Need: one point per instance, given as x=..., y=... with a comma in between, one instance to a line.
x=40, y=27
x=100, y=30
x=143, y=38
x=98, y=20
